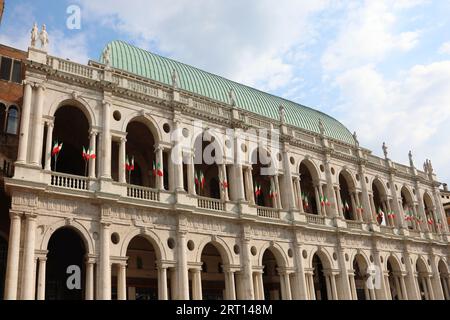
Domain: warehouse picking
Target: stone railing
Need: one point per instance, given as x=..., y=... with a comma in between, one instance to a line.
x=387, y=230
x=68, y=181
x=268, y=212
x=141, y=87
x=414, y=233
x=375, y=160
x=210, y=204
x=354, y=224
x=142, y=193
x=315, y=219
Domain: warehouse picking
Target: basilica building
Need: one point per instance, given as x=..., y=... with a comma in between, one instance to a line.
x=152, y=179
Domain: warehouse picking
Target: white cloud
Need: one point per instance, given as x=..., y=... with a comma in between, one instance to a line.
x=444, y=48
x=246, y=42
x=366, y=35
x=410, y=112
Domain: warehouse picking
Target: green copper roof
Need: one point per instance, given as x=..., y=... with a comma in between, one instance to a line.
x=155, y=67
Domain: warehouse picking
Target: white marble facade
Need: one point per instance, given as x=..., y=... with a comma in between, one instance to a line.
x=98, y=206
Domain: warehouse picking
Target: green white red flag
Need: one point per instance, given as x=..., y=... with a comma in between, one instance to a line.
x=56, y=148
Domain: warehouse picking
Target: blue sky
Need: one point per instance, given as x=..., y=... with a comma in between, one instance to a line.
x=380, y=67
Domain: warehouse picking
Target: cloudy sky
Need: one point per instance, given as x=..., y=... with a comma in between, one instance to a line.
x=380, y=67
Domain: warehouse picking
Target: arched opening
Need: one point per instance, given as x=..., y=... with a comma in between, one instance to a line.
x=308, y=190
x=425, y=287
x=140, y=146
x=360, y=269
x=2, y=117
x=380, y=202
x=444, y=279
x=264, y=185
x=72, y=130
x=322, y=290
x=12, y=125
x=430, y=213
x=207, y=156
x=213, y=277
x=271, y=277
x=346, y=187
x=141, y=273
x=408, y=209
x=65, y=248
x=394, y=274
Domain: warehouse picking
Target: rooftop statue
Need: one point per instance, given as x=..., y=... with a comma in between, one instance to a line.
x=44, y=37
x=34, y=35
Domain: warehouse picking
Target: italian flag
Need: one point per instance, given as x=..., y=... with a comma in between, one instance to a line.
x=224, y=184
x=360, y=208
x=85, y=154
x=56, y=148
x=196, y=178
x=129, y=165
x=272, y=193
x=305, y=201
x=430, y=221
x=257, y=190
x=380, y=212
x=327, y=202
x=391, y=214
x=322, y=201
x=408, y=216
x=91, y=154
x=346, y=206
x=157, y=169
x=202, y=179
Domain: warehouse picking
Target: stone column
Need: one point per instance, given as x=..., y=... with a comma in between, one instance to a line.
x=12, y=267
x=28, y=259
x=162, y=282
x=223, y=174
x=430, y=287
x=299, y=190
x=373, y=212
x=277, y=188
x=248, y=182
x=388, y=286
x=105, y=264
x=398, y=287
x=353, y=285
x=159, y=183
x=183, y=275
x=331, y=197
x=239, y=182
x=317, y=193
x=413, y=292
x=312, y=290
x=122, y=156
x=403, y=286
x=25, y=122
x=355, y=214
x=287, y=179
x=333, y=286
x=284, y=277
x=92, y=148
x=121, y=281
x=106, y=141
x=38, y=129
x=436, y=281
x=230, y=288
x=41, y=278
x=344, y=282
x=191, y=175
x=339, y=204
x=197, y=293
x=173, y=284
x=89, y=295
x=246, y=276
x=328, y=286
x=365, y=193
x=258, y=285
x=177, y=158
x=382, y=293
x=300, y=273
x=48, y=147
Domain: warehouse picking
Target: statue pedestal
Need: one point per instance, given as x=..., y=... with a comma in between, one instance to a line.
x=37, y=55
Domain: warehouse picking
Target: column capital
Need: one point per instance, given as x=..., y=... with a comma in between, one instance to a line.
x=30, y=216
x=93, y=132
x=49, y=123
x=40, y=86
x=13, y=214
